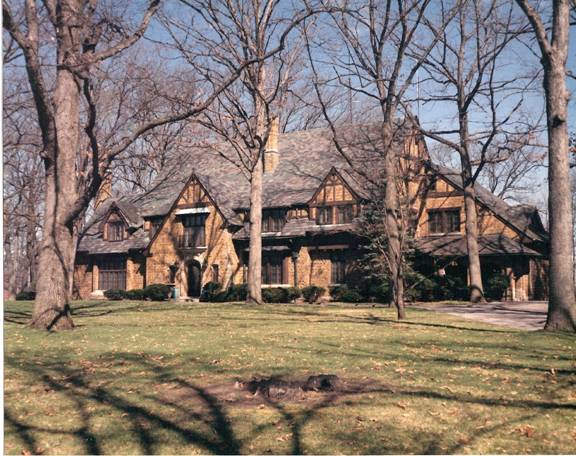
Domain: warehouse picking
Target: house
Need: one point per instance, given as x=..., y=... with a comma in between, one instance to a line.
x=190, y=227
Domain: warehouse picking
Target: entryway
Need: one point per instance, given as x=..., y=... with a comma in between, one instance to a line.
x=194, y=279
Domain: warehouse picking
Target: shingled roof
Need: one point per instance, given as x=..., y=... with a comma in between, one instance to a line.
x=306, y=158
x=455, y=246
x=523, y=217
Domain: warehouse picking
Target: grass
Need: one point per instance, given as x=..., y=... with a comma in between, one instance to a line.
x=151, y=378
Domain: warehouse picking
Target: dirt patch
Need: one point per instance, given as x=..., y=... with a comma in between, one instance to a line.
x=261, y=390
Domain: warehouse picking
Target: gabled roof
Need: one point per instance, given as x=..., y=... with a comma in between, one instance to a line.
x=524, y=218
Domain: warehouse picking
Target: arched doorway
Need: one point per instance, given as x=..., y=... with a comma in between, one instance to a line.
x=194, y=279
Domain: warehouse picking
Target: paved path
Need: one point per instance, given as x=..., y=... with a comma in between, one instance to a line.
x=522, y=315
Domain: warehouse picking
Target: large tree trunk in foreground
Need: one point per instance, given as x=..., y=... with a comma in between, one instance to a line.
x=58, y=247
x=554, y=50
x=562, y=306
x=393, y=230
x=255, y=254
x=471, y=225
x=471, y=228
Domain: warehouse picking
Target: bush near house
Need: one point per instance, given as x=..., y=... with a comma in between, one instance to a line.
x=275, y=295
x=496, y=287
x=210, y=291
x=293, y=293
x=115, y=295
x=154, y=292
x=25, y=296
x=342, y=293
x=312, y=293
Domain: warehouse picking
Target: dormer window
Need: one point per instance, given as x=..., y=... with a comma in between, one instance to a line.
x=154, y=225
x=273, y=220
x=344, y=214
x=335, y=215
x=324, y=216
x=442, y=221
x=115, y=230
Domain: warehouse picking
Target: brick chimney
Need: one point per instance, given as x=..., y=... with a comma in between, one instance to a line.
x=271, y=155
x=105, y=190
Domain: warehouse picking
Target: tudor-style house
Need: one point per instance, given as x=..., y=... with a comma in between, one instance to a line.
x=189, y=228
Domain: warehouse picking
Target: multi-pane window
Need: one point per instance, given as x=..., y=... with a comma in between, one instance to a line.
x=338, y=263
x=444, y=221
x=194, y=231
x=324, y=215
x=112, y=274
x=337, y=214
x=344, y=214
x=154, y=226
x=272, y=270
x=273, y=220
x=115, y=231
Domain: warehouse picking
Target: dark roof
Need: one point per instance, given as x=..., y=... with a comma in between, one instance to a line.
x=92, y=243
x=299, y=228
x=523, y=217
x=455, y=246
x=306, y=158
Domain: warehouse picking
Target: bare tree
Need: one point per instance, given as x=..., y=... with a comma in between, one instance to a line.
x=553, y=44
x=244, y=114
x=377, y=65
x=465, y=75
x=70, y=49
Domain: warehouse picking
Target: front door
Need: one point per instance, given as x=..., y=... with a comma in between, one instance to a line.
x=194, y=279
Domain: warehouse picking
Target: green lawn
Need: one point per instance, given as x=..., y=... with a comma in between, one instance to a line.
x=159, y=378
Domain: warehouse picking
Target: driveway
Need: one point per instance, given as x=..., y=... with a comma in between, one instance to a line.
x=522, y=315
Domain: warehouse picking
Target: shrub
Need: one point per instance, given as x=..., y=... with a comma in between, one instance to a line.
x=157, y=292
x=209, y=291
x=342, y=293
x=115, y=295
x=496, y=287
x=25, y=296
x=135, y=295
x=419, y=287
x=275, y=295
x=451, y=288
x=312, y=293
x=293, y=293
x=237, y=293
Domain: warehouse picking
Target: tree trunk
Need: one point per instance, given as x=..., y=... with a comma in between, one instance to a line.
x=471, y=224
x=471, y=228
x=391, y=224
x=58, y=249
x=255, y=254
x=51, y=308
x=561, y=306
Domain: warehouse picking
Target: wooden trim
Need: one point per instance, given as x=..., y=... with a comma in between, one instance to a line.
x=333, y=171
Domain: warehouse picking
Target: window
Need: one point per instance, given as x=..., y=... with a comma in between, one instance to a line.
x=344, y=214
x=154, y=226
x=215, y=273
x=112, y=274
x=272, y=270
x=338, y=263
x=194, y=231
x=273, y=220
x=444, y=221
x=324, y=215
x=115, y=231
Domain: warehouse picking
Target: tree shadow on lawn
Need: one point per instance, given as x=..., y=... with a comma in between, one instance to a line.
x=204, y=421
x=90, y=309
x=369, y=319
